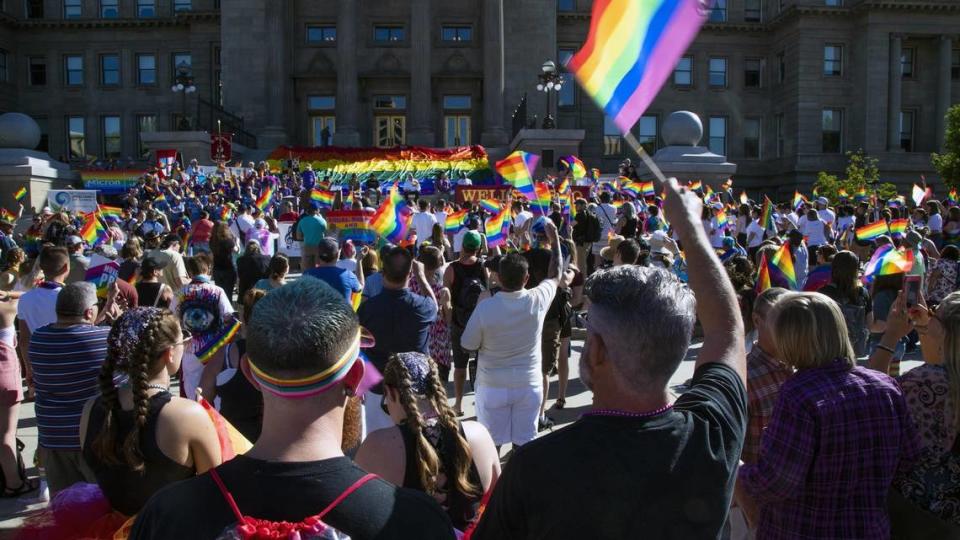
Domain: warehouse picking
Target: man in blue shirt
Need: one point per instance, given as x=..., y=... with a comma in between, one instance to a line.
x=399, y=321
x=343, y=281
x=312, y=228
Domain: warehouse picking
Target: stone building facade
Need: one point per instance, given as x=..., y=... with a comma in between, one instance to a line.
x=784, y=87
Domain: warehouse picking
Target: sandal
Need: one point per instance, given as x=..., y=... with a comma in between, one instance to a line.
x=26, y=484
x=560, y=403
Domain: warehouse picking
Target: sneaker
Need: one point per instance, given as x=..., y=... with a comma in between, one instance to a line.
x=544, y=423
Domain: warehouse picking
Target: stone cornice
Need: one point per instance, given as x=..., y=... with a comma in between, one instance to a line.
x=184, y=18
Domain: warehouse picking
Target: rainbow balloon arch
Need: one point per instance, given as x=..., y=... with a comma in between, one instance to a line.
x=388, y=165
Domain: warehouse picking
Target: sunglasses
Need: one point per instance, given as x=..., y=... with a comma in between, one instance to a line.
x=383, y=404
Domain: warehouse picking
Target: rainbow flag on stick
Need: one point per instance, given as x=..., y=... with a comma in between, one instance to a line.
x=763, y=275
x=952, y=197
x=842, y=193
x=798, y=199
x=861, y=194
x=454, y=221
x=898, y=227
x=872, y=231
x=631, y=50
x=631, y=189
x=21, y=194
x=7, y=215
x=490, y=205
x=517, y=170
x=543, y=198
x=265, y=197
x=92, y=231
x=111, y=212
x=323, y=198
x=497, y=228
x=782, y=263
x=819, y=277
x=887, y=260
x=577, y=168
x=695, y=185
x=392, y=219
x=766, y=215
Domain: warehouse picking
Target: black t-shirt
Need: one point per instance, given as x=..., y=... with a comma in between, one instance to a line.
x=195, y=508
x=668, y=477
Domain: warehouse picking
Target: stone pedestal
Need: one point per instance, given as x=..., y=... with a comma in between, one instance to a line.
x=683, y=158
x=190, y=144
x=37, y=172
x=549, y=144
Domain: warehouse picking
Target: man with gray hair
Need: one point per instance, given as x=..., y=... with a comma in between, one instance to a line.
x=640, y=465
x=66, y=357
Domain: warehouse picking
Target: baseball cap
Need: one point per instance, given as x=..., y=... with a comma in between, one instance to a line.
x=74, y=240
x=822, y=200
x=472, y=240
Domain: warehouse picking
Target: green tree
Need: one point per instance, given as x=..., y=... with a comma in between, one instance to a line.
x=948, y=163
x=861, y=173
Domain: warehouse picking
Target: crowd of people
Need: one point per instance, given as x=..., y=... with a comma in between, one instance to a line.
x=797, y=423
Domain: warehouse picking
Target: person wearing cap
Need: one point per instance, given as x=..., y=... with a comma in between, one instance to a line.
x=342, y=280
x=662, y=249
x=6, y=235
x=66, y=357
x=472, y=223
x=78, y=262
x=150, y=290
x=826, y=215
x=311, y=228
x=608, y=252
x=464, y=273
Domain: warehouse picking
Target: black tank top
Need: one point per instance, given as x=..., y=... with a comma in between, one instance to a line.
x=126, y=489
x=629, y=229
x=148, y=295
x=461, y=508
x=240, y=402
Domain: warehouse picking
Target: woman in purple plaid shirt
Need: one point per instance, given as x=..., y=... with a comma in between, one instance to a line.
x=837, y=437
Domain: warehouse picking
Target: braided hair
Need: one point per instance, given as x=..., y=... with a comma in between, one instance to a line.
x=396, y=375
x=137, y=342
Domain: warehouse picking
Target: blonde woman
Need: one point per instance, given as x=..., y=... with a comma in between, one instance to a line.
x=837, y=436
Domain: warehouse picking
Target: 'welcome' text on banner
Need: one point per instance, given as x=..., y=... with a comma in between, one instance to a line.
x=352, y=225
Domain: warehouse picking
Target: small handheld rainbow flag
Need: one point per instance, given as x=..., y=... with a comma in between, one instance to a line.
x=631, y=189
x=7, y=215
x=766, y=215
x=782, y=262
x=695, y=185
x=92, y=231
x=323, y=198
x=842, y=193
x=952, y=196
x=595, y=173
x=392, y=219
x=763, y=275
x=872, y=231
x=225, y=213
x=577, y=168
x=110, y=212
x=898, y=227
x=348, y=200
x=798, y=199
x=919, y=194
x=543, y=198
x=21, y=194
x=517, y=170
x=454, y=221
x=265, y=197
x=490, y=205
x=887, y=260
x=861, y=194
x=722, y=220
x=496, y=229
x=564, y=186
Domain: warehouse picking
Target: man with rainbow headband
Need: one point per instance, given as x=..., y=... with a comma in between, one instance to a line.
x=303, y=347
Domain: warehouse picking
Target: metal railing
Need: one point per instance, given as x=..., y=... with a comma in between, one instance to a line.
x=208, y=114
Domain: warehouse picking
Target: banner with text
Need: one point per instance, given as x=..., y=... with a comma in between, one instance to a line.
x=111, y=182
x=73, y=200
x=352, y=225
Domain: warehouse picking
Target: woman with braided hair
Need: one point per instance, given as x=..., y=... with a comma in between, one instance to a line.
x=429, y=449
x=139, y=438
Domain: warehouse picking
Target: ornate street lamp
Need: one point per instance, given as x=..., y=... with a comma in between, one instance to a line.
x=550, y=81
x=183, y=82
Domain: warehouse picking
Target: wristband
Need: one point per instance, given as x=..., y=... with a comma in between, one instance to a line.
x=885, y=348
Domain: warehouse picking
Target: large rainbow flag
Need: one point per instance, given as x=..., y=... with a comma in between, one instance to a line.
x=497, y=229
x=389, y=165
x=111, y=182
x=632, y=48
x=517, y=170
x=392, y=219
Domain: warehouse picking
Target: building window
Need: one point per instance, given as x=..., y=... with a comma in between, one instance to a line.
x=109, y=9
x=316, y=103
x=146, y=123
x=74, y=70
x=567, y=96
x=38, y=71
x=612, y=138
x=832, y=129
x=751, y=138
x=647, y=136
x=907, y=119
x=719, y=11
x=146, y=8
x=906, y=62
x=146, y=69
x=566, y=5
x=34, y=9
x=456, y=120
x=72, y=8
x=780, y=140
x=718, y=72
x=110, y=70
x=753, y=10
x=390, y=102
x=184, y=60
x=955, y=65
x=4, y=76
x=718, y=135
x=832, y=60
x=456, y=33
x=389, y=34
x=683, y=73
x=76, y=137
x=833, y=3
x=752, y=72
x=456, y=103
x=323, y=121
x=44, y=126
x=182, y=5
x=781, y=68
x=321, y=34
x=111, y=144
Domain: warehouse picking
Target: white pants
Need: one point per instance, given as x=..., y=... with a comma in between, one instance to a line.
x=192, y=371
x=509, y=414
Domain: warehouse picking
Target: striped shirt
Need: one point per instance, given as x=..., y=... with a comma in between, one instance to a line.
x=66, y=362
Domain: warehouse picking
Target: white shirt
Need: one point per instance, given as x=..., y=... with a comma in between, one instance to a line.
x=756, y=229
x=607, y=214
x=423, y=222
x=506, y=328
x=244, y=224
x=844, y=223
x=441, y=218
x=348, y=264
x=717, y=234
x=935, y=222
x=522, y=218
x=226, y=308
x=458, y=240
x=465, y=181
x=813, y=230
x=38, y=307
x=827, y=216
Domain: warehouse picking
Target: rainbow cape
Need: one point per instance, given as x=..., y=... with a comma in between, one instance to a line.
x=497, y=228
x=323, y=198
x=577, y=168
x=392, y=219
x=887, y=260
x=517, y=170
x=631, y=50
x=872, y=231
x=21, y=194
x=454, y=221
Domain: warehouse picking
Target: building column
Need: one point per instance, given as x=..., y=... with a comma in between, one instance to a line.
x=348, y=97
x=894, y=89
x=273, y=133
x=493, y=74
x=421, y=132
x=943, y=88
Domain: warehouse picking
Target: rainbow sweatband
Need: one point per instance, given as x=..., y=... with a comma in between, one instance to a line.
x=312, y=385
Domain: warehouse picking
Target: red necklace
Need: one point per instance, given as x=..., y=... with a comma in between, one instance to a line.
x=628, y=414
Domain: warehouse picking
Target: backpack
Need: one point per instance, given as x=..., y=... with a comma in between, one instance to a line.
x=855, y=315
x=468, y=295
x=593, y=228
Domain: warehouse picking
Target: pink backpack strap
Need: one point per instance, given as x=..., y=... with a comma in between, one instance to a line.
x=346, y=493
x=226, y=495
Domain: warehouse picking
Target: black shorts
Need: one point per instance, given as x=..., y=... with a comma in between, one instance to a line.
x=461, y=357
